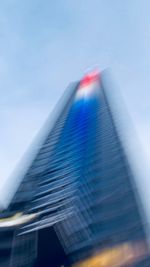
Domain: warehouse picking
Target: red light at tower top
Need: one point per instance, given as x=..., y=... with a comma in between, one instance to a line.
x=90, y=78
x=88, y=85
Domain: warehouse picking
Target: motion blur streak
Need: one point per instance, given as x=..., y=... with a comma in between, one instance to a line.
x=118, y=256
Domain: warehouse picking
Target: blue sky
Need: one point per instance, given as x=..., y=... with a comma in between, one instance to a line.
x=46, y=44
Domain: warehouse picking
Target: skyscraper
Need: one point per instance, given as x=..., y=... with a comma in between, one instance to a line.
x=78, y=204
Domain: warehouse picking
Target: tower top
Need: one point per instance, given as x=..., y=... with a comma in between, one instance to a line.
x=89, y=78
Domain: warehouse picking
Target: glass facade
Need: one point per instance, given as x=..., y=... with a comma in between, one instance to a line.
x=80, y=184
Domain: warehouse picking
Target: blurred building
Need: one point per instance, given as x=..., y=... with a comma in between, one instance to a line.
x=77, y=205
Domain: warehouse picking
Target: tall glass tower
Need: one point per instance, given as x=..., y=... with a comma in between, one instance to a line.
x=77, y=204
